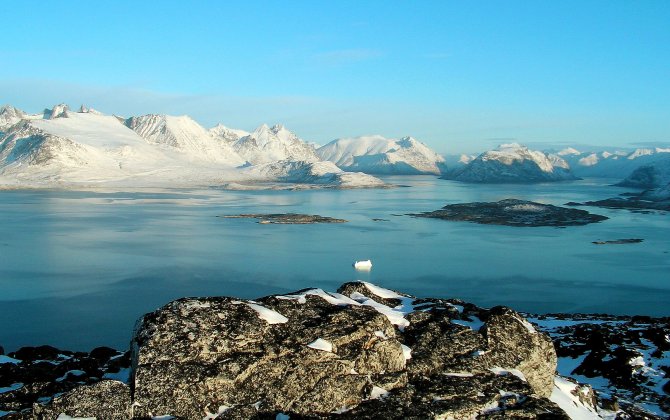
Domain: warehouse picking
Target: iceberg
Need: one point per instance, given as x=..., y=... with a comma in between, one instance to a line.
x=363, y=265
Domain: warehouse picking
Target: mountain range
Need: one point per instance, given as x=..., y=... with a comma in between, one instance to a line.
x=62, y=147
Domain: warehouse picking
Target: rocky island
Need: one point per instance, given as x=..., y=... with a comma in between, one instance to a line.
x=512, y=212
x=363, y=352
x=286, y=218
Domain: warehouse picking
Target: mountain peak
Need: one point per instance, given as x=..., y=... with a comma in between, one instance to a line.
x=511, y=146
x=58, y=111
x=10, y=115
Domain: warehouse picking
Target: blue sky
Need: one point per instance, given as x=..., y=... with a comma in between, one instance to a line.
x=462, y=76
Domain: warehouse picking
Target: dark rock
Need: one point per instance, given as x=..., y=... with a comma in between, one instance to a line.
x=633, y=202
x=623, y=354
x=103, y=353
x=512, y=212
x=286, y=218
x=48, y=371
x=619, y=241
x=103, y=400
x=30, y=354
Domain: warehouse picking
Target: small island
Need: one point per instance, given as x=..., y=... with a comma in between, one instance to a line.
x=512, y=212
x=286, y=218
x=619, y=241
x=633, y=202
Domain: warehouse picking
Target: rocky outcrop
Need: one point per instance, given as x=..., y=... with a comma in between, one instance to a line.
x=286, y=218
x=363, y=352
x=624, y=357
x=36, y=374
x=103, y=400
x=512, y=212
x=649, y=200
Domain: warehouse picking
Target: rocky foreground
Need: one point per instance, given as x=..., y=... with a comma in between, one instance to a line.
x=513, y=212
x=363, y=352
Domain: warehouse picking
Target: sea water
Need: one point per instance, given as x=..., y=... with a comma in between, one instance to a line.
x=78, y=268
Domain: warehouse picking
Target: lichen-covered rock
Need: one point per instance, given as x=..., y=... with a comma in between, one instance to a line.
x=103, y=400
x=193, y=356
x=515, y=343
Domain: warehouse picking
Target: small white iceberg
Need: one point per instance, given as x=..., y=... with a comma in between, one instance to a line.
x=363, y=265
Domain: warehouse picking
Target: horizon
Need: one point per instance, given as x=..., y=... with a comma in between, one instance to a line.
x=462, y=78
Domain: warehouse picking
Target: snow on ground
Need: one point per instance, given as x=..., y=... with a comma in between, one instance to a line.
x=7, y=359
x=515, y=372
x=211, y=416
x=395, y=315
x=321, y=344
x=74, y=372
x=330, y=297
x=123, y=375
x=378, y=393
x=460, y=374
x=267, y=314
x=564, y=396
x=406, y=352
x=63, y=416
x=475, y=324
x=12, y=387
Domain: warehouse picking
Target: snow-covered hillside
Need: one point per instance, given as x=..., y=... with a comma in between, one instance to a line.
x=513, y=163
x=611, y=164
x=379, y=155
x=64, y=148
x=226, y=134
x=184, y=135
x=61, y=146
x=652, y=175
x=319, y=173
x=271, y=144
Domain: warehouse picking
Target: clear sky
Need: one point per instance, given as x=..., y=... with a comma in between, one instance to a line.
x=462, y=76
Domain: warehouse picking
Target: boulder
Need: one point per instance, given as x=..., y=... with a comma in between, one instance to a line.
x=102, y=400
x=363, y=352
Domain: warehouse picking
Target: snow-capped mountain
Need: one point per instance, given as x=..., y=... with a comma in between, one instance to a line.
x=513, y=163
x=184, y=135
x=64, y=148
x=611, y=164
x=379, y=155
x=226, y=134
x=652, y=175
x=9, y=116
x=271, y=144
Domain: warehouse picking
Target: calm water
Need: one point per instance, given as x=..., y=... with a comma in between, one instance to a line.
x=78, y=268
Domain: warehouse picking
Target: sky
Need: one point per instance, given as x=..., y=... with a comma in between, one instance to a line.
x=461, y=76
